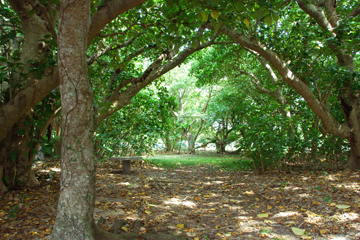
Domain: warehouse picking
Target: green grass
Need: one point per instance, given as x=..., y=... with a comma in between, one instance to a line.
x=211, y=160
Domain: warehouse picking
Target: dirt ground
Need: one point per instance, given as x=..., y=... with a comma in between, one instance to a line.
x=199, y=203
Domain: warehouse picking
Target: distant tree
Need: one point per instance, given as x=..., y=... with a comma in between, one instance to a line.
x=192, y=103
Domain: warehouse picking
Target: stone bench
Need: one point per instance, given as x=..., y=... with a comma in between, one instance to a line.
x=126, y=162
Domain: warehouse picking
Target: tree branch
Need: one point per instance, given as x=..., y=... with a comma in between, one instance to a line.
x=25, y=99
x=107, y=49
x=288, y=76
x=317, y=14
x=332, y=17
x=155, y=70
x=109, y=12
x=354, y=12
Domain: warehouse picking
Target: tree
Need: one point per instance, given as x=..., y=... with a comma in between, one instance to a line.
x=334, y=26
x=76, y=202
x=162, y=43
x=240, y=70
x=192, y=103
x=31, y=74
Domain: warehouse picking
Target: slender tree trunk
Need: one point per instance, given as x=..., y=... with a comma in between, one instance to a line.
x=191, y=143
x=220, y=147
x=353, y=120
x=74, y=219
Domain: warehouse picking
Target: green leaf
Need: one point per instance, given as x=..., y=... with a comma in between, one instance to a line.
x=13, y=155
x=170, y=3
x=247, y=23
x=173, y=27
x=259, y=13
x=204, y=16
x=217, y=27
x=215, y=14
x=21, y=132
x=214, y=2
x=268, y=20
x=194, y=44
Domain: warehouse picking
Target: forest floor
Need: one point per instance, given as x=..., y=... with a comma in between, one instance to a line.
x=200, y=203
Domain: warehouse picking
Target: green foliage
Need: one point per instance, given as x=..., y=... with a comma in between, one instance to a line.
x=237, y=113
x=135, y=129
x=227, y=162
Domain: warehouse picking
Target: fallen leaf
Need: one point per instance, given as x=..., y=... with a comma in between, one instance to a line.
x=263, y=215
x=323, y=231
x=180, y=226
x=298, y=231
x=341, y=206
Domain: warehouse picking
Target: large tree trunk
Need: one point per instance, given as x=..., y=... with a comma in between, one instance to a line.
x=74, y=219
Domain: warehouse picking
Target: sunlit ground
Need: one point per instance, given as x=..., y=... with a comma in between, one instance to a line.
x=200, y=203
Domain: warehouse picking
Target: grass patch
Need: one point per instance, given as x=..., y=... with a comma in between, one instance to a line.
x=229, y=162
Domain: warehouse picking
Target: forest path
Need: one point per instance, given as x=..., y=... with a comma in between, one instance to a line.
x=200, y=203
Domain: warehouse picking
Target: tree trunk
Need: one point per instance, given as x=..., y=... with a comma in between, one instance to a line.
x=220, y=147
x=15, y=161
x=191, y=143
x=354, y=159
x=353, y=120
x=74, y=219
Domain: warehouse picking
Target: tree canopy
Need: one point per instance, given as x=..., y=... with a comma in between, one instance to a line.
x=278, y=78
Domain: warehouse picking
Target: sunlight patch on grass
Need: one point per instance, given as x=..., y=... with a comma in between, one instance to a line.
x=229, y=162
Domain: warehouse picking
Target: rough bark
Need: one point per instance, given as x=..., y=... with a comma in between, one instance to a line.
x=74, y=219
